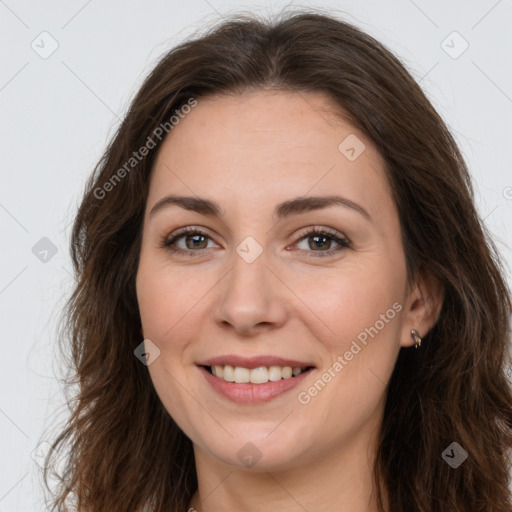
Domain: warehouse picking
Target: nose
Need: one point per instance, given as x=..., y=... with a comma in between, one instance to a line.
x=252, y=298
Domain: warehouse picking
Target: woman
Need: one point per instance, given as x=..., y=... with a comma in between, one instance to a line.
x=280, y=219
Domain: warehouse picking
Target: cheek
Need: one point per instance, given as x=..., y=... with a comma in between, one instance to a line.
x=352, y=298
x=168, y=298
x=166, y=306
x=361, y=306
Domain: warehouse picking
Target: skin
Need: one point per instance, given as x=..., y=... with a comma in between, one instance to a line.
x=248, y=153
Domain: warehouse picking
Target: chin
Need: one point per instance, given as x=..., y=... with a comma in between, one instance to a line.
x=256, y=450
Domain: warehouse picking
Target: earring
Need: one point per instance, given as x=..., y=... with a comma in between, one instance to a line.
x=416, y=337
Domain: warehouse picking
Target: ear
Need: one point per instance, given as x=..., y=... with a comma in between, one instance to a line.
x=422, y=308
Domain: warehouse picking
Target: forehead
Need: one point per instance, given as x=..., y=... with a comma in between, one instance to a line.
x=263, y=146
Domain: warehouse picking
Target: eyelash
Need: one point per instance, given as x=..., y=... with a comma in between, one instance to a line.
x=168, y=243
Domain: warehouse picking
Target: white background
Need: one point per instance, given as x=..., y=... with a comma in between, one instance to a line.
x=58, y=113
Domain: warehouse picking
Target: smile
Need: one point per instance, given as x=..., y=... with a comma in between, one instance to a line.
x=254, y=393
x=259, y=375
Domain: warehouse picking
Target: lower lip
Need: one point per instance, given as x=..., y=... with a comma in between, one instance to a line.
x=252, y=393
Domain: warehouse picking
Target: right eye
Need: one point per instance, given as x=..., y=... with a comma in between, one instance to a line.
x=197, y=237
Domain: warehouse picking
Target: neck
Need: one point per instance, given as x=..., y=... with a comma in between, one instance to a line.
x=339, y=480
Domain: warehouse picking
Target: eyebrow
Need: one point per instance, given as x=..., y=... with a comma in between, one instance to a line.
x=282, y=210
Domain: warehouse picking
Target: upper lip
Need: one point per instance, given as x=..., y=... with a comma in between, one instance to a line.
x=253, y=362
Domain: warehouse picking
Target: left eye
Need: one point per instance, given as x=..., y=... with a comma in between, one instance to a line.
x=320, y=239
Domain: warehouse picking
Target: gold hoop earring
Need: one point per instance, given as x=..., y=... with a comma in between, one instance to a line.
x=416, y=337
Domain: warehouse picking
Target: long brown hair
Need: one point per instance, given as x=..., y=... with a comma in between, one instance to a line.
x=125, y=453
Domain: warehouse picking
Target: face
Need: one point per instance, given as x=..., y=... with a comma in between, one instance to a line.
x=271, y=280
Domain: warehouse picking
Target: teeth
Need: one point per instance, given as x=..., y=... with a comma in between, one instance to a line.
x=260, y=375
x=241, y=375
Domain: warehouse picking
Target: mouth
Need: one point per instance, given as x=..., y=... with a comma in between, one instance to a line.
x=257, y=375
x=250, y=381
